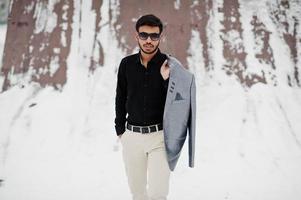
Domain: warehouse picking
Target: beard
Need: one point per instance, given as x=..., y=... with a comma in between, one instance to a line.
x=148, y=52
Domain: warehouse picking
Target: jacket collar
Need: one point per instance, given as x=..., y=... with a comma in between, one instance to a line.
x=173, y=62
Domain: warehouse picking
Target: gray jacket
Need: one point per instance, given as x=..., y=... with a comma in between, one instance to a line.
x=179, y=113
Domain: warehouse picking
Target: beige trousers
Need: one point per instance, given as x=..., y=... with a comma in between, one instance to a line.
x=146, y=165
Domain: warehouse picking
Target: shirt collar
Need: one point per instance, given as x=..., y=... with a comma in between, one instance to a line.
x=155, y=58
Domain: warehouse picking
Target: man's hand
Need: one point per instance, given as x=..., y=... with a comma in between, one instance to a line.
x=165, y=70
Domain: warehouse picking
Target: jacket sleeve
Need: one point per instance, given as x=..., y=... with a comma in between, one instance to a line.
x=192, y=122
x=120, y=99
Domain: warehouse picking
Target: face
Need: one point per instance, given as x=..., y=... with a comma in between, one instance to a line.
x=148, y=38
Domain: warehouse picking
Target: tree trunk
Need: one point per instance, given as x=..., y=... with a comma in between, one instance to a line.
x=235, y=39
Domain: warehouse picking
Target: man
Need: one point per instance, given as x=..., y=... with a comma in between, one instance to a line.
x=140, y=95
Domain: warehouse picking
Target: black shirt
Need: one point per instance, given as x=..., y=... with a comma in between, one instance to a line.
x=140, y=93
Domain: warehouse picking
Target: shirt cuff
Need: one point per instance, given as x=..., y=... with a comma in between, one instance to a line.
x=119, y=130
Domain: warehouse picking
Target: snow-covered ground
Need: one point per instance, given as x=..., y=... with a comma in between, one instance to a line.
x=57, y=145
x=61, y=145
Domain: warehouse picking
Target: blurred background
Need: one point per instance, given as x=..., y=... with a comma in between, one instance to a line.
x=57, y=95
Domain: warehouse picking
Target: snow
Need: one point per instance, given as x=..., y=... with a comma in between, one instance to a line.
x=54, y=66
x=46, y=19
x=61, y=144
x=177, y=4
x=2, y=41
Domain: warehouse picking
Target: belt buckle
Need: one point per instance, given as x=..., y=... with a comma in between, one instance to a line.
x=144, y=129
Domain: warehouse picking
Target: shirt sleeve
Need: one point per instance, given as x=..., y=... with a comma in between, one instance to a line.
x=120, y=99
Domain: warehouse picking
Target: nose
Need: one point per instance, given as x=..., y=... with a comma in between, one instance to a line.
x=148, y=40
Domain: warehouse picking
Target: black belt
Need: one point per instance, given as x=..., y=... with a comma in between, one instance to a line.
x=145, y=129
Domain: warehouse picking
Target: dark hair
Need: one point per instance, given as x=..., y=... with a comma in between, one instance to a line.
x=149, y=20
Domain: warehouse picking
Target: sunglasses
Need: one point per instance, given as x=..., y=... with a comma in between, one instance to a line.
x=153, y=36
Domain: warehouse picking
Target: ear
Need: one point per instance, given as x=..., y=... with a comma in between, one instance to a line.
x=162, y=35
